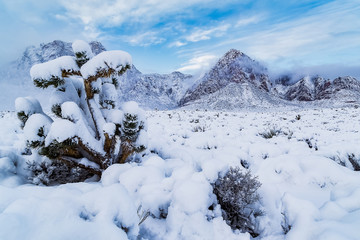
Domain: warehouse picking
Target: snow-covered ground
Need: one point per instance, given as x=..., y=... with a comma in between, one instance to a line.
x=305, y=189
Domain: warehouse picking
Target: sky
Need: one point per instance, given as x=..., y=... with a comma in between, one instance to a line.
x=190, y=36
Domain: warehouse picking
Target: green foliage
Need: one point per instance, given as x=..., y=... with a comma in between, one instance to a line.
x=115, y=82
x=56, y=109
x=81, y=58
x=131, y=127
x=355, y=162
x=23, y=118
x=109, y=104
x=44, y=83
x=38, y=143
x=56, y=149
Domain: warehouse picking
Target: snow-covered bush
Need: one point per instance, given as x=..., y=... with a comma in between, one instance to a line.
x=90, y=130
x=237, y=195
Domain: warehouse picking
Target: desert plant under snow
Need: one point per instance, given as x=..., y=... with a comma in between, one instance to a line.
x=89, y=132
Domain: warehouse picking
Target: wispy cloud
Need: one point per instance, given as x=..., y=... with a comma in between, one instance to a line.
x=177, y=44
x=281, y=33
x=249, y=20
x=144, y=39
x=309, y=37
x=198, y=63
x=205, y=34
x=201, y=34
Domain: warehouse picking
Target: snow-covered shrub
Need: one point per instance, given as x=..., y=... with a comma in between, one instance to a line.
x=350, y=161
x=90, y=130
x=237, y=195
x=355, y=161
x=270, y=133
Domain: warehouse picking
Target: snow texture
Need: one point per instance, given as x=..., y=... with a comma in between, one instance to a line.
x=53, y=68
x=28, y=105
x=34, y=123
x=61, y=130
x=110, y=59
x=82, y=47
x=306, y=192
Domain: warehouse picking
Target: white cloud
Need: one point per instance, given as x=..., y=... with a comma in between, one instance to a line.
x=177, y=44
x=144, y=39
x=247, y=21
x=205, y=34
x=198, y=63
x=116, y=12
x=317, y=37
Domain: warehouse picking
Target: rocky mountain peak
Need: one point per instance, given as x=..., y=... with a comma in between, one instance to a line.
x=233, y=67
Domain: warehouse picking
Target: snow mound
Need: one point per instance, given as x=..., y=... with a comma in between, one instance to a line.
x=116, y=60
x=28, y=105
x=53, y=68
x=80, y=46
x=307, y=192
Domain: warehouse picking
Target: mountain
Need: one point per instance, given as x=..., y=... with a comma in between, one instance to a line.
x=314, y=89
x=151, y=91
x=236, y=81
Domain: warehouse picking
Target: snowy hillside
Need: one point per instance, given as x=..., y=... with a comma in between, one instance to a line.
x=153, y=91
x=304, y=159
x=338, y=91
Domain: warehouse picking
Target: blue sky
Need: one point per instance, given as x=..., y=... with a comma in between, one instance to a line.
x=189, y=36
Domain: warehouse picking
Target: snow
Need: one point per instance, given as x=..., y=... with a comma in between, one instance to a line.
x=109, y=128
x=82, y=46
x=133, y=108
x=303, y=189
x=53, y=68
x=34, y=123
x=28, y=105
x=115, y=116
x=60, y=130
x=109, y=59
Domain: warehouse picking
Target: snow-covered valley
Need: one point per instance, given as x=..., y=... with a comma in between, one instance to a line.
x=304, y=158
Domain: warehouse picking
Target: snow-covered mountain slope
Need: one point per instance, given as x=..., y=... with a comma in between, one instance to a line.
x=153, y=91
x=235, y=96
x=309, y=187
x=341, y=90
x=235, y=81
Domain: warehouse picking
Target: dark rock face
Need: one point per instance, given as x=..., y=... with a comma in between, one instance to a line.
x=318, y=88
x=233, y=67
x=303, y=90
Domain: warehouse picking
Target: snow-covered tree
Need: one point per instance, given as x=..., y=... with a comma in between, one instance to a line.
x=90, y=130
